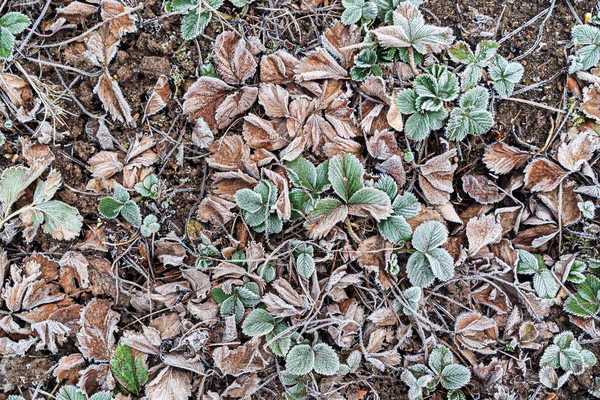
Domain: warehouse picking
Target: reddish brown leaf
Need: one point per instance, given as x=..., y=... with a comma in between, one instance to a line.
x=234, y=106
x=503, y=159
x=204, y=97
x=278, y=68
x=542, y=175
x=98, y=324
x=339, y=36
x=158, y=96
x=234, y=62
x=112, y=99
x=122, y=25
x=319, y=64
x=481, y=189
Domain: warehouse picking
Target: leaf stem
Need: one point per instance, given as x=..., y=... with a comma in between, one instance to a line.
x=10, y=216
x=411, y=60
x=351, y=231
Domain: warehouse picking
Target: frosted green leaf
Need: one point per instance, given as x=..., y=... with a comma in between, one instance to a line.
x=302, y=173
x=346, y=175
x=15, y=180
x=233, y=306
x=7, y=42
x=373, y=201
x=586, y=301
x=527, y=263
x=120, y=193
x=419, y=125
x=109, y=207
x=300, y=360
x=471, y=117
x=588, y=358
x=505, y=75
x=435, y=87
x=102, y=396
x=149, y=226
x=429, y=235
x=588, y=55
x=305, y=264
x=353, y=360
x=576, y=272
x=355, y=10
x=258, y=323
x=544, y=284
x=131, y=372
x=418, y=271
x=148, y=187
x=46, y=189
x=13, y=397
x=455, y=376
x=281, y=345
x=461, y=53
x=412, y=296
x=388, y=185
x=395, y=229
x=131, y=213
x=63, y=222
x=248, y=200
x=194, y=23
x=15, y=22
x=456, y=395
x=70, y=392
x=587, y=208
x=406, y=101
x=439, y=359
x=406, y=205
x=326, y=360
x=551, y=357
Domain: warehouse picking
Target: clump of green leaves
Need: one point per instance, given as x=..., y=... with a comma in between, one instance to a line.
x=586, y=302
x=505, y=75
x=258, y=207
x=196, y=15
x=410, y=302
x=429, y=261
x=587, y=208
x=395, y=228
x=474, y=62
x=60, y=220
x=260, y=323
x=148, y=187
x=206, y=251
x=587, y=37
x=358, y=10
x=544, y=282
x=422, y=380
x=150, y=225
x=306, y=357
x=121, y=203
x=385, y=8
x=71, y=392
x=236, y=299
x=471, y=117
x=424, y=103
x=309, y=182
x=567, y=353
x=305, y=262
x=11, y=24
x=354, y=198
x=130, y=371
x=365, y=65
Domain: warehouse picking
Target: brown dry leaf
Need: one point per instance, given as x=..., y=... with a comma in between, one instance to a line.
x=353, y=315
x=393, y=167
x=203, y=99
x=170, y=383
x=382, y=145
x=95, y=378
x=283, y=207
x=101, y=46
x=287, y=302
x=476, y=332
x=158, y=96
x=535, y=237
x=98, y=129
x=114, y=103
x=492, y=297
x=215, y=210
x=230, y=154
x=74, y=272
x=118, y=26
x=436, y=178
x=591, y=102
x=263, y=134
x=542, y=175
x=226, y=184
x=52, y=334
x=569, y=211
x=338, y=281
x=374, y=255
x=339, y=36
x=341, y=147
x=244, y=386
x=481, y=189
x=321, y=225
x=202, y=135
x=278, y=68
x=503, y=159
x=105, y=164
x=482, y=231
x=234, y=62
x=234, y=106
x=94, y=239
x=98, y=324
x=17, y=90
x=68, y=368
x=578, y=151
x=77, y=11
x=243, y=359
x=375, y=105
x=274, y=99
x=319, y=64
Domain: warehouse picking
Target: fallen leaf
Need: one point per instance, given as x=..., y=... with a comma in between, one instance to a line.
x=476, y=332
x=203, y=99
x=542, y=175
x=278, y=68
x=215, y=210
x=112, y=99
x=578, y=151
x=158, y=96
x=503, y=159
x=77, y=11
x=101, y=46
x=483, y=231
x=98, y=324
x=118, y=26
x=481, y=189
x=337, y=38
x=319, y=64
x=105, y=164
x=234, y=62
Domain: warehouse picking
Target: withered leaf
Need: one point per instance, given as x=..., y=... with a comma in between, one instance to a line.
x=476, y=332
x=235, y=105
x=481, y=189
x=215, y=210
x=68, y=368
x=118, y=26
x=243, y=359
x=158, y=96
x=591, y=102
x=568, y=209
x=382, y=145
x=319, y=64
x=492, y=297
x=482, y=231
x=170, y=383
x=502, y=159
x=339, y=36
x=274, y=99
x=202, y=135
x=260, y=133
x=101, y=46
x=542, y=175
x=105, y=164
x=374, y=254
x=578, y=151
x=109, y=92
x=234, y=62
x=204, y=97
x=278, y=68
x=77, y=11
x=98, y=324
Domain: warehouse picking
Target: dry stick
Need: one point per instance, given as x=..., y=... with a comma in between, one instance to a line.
x=540, y=33
x=51, y=64
x=34, y=27
x=525, y=25
x=533, y=103
x=92, y=29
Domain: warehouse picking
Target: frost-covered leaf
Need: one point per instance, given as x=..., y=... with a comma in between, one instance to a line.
x=98, y=325
x=355, y=10
x=429, y=235
x=170, y=383
x=502, y=159
x=149, y=226
x=482, y=231
x=455, y=376
x=70, y=392
x=586, y=301
x=111, y=96
x=588, y=37
x=505, y=75
x=258, y=323
x=300, y=360
x=370, y=201
x=326, y=360
x=62, y=221
x=471, y=117
x=346, y=175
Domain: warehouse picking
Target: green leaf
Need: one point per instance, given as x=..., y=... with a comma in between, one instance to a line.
x=359, y=74
x=388, y=185
x=131, y=372
x=406, y=205
x=419, y=125
x=149, y=226
x=219, y=295
x=418, y=270
x=326, y=360
x=588, y=55
x=413, y=297
x=131, y=213
x=346, y=175
x=544, y=284
x=429, y=235
x=456, y=395
x=435, y=87
x=505, y=75
x=441, y=264
x=406, y=101
x=528, y=263
x=302, y=173
x=372, y=201
x=586, y=301
x=305, y=264
x=455, y=376
x=148, y=187
x=46, y=189
x=109, y=207
x=63, y=222
x=258, y=323
x=7, y=42
x=14, y=181
x=14, y=22
x=105, y=395
x=281, y=345
x=249, y=200
x=193, y=24
x=439, y=359
x=70, y=392
x=300, y=360
x=233, y=306
x=395, y=229
x=120, y=193
x=471, y=118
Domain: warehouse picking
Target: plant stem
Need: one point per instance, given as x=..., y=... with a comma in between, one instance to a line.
x=411, y=60
x=10, y=216
x=351, y=231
